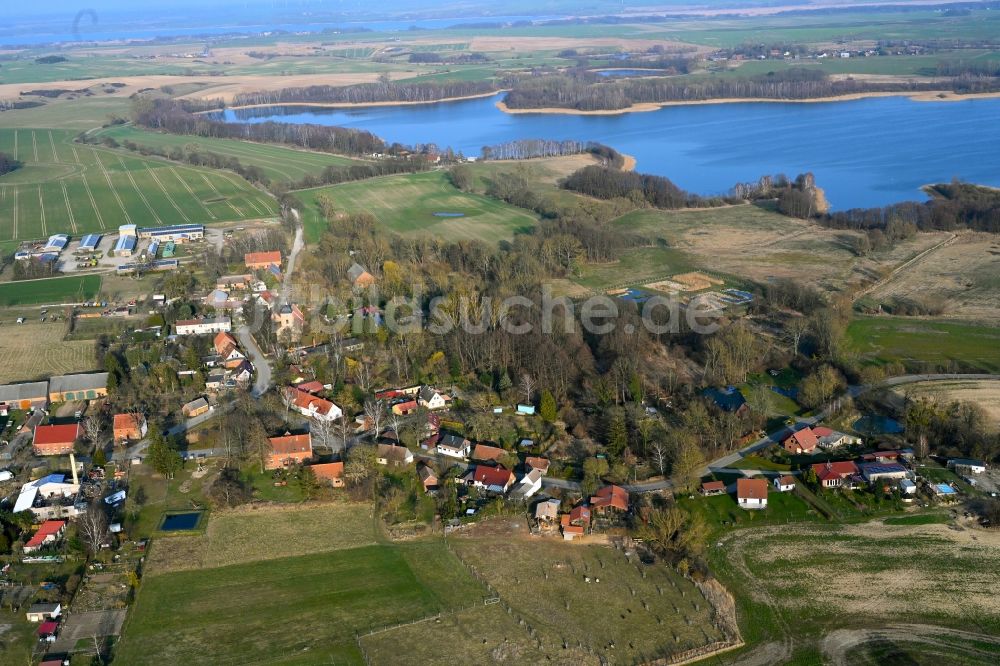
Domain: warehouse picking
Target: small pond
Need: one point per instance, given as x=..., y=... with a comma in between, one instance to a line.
x=878, y=425
x=444, y=214
x=174, y=522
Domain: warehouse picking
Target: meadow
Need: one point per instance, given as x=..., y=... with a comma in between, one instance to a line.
x=35, y=350
x=50, y=291
x=279, y=163
x=406, y=205
x=920, y=342
x=65, y=187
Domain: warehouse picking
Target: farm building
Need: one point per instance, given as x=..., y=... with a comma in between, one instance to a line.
x=203, y=326
x=178, y=233
x=49, y=532
x=262, y=260
x=783, y=484
x=751, y=493
x=55, y=440
x=90, y=242
x=48, y=497
x=129, y=427
x=710, y=488
x=288, y=450
x=87, y=386
x=125, y=246
x=967, y=465
x=154, y=247
x=56, y=243
x=32, y=395
x=153, y=266
x=907, y=487
x=330, y=473
x=877, y=471
x=196, y=407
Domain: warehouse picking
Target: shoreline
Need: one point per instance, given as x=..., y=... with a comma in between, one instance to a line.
x=644, y=107
x=354, y=105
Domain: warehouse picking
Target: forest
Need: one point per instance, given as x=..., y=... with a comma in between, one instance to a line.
x=530, y=148
x=383, y=90
x=657, y=191
x=568, y=92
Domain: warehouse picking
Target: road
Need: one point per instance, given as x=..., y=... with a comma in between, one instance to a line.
x=297, y=244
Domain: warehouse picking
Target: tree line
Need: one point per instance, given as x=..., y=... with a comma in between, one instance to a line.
x=529, y=148
x=382, y=90
x=656, y=191
x=171, y=116
x=567, y=92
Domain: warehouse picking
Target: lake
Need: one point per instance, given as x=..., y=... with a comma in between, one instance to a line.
x=868, y=152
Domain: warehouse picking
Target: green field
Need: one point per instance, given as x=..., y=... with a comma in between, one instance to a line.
x=71, y=289
x=65, y=187
x=278, y=162
x=406, y=204
x=917, y=341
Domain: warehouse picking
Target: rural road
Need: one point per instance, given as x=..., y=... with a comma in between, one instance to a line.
x=262, y=382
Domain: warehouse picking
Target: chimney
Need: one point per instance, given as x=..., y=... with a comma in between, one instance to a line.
x=72, y=465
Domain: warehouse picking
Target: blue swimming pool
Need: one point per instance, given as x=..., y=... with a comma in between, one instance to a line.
x=174, y=522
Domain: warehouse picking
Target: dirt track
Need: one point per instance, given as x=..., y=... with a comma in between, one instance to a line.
x=838, y=644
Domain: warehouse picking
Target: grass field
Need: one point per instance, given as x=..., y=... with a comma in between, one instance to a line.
x=917, y=341
x=635, y=613
x=406, y=204
x=808, y=593
x=65, y=187
x=35, y=350
x=278, y=162
x=70, y=289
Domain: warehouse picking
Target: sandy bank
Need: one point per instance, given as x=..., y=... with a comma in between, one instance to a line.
x=927, y=96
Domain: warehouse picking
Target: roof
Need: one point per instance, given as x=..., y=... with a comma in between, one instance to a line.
x=751, y=489
x=208, y=321
x=492, y=476
x=713, y=485
x=331, y=471
x=43, y=608
x=173, y=229
x=451, y=441
x=487, y=452
x=197, y=403
x=289, y=444
x=881, y=468
x=82, y=382
x=831, y=470
x=310, y=387
x=47, y=628
x=541, y=464
x=56, y=434
x=427, y=393
x=391, y=452
x=786, y=480
x=48, y=528
x=966, y=462
x=125, y=243
x=255, y=258
x=224, y=343
x=90, y=240
x=579, y=513
x=614, y=496
x=311, y=402
x=805, y=438
x=27, y=391
x=426, y=473
x=547, y=509
x=822, y=431
x=128, y=421
x=356, y=271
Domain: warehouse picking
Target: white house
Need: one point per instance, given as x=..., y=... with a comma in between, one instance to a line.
x=784, y=484
x=907, y=487
x=314, y=407
x=529, y=484
x=42, y=612
x=431, y=399
x=967, y=464
x=203, y=326
x=751, y=493
x=454, y=446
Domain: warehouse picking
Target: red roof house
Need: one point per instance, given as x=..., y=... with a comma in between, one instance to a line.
x=289, y=450
x=129, y=427
x=541, y=464
x=610, y=498
x=49, y=532
x=713, y=488
x=46, y=629
x=832, y=474
x=495, y=479
x=55, y=440
x=579, y=515
x=751, y=493
x=331, y=473
x=803, y=441
x=262, y=260
x=487, y=453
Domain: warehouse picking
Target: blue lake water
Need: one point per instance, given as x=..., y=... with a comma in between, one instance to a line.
x=867, y=152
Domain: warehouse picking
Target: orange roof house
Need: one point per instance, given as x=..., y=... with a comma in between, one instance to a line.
x=289, y=450
x=833, y=474
x=802, y=441
x=487, y=453
x=359, y=276
x=55, y=440
x=541, y=464
x=129, y=427
x=709, y=488
x=610, y=498
x=331, y=473
x=751, y=493
x=262, y=260
x=49, y=532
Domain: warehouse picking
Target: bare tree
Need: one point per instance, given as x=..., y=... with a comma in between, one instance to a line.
x=796, y=329
x=526, y=387
x=93, y=428
x=323, y=430
x=375, y=411
x=659, y=452
x=363, y=376
x=93, y=527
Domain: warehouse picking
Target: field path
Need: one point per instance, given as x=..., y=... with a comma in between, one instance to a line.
x=14, y=236
x=69, y=209
x=837, y=644
x=107, y=177
x=905, y=265
x=41, y=209
x=52, y=144
x=15, y=144
x=192, y=193
x=138, y=190
x=34, y=145
x=173, y=203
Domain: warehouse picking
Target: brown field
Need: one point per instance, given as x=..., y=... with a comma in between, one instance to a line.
x=696, y=281
x=985, y=393
x=35, y=349
x=964, y=275
x=265, y=533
